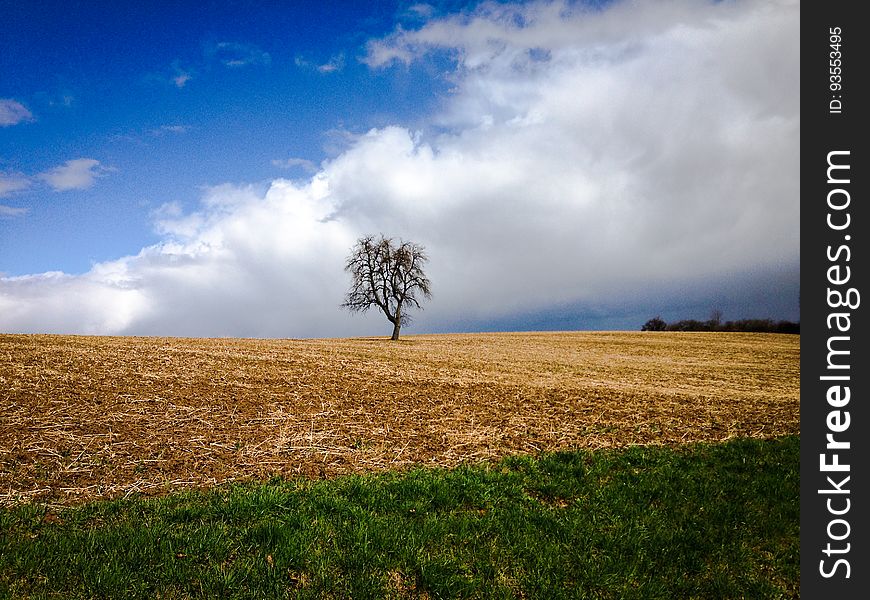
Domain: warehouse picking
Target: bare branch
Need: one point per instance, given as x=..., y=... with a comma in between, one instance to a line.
x=386, y=276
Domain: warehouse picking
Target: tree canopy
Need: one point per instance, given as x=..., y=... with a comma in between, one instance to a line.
x=389, y=276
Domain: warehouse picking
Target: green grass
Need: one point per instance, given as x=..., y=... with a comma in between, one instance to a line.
x=705, y=521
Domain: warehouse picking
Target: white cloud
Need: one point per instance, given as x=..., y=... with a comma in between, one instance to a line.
x=235, y=55
x=76, y=174
x=57, y=98
x=380, y=53
x=12, y=182
x=289, y=163
x=420, y=11
x=231, y=55
x=334, y=64
x=55, y=302
x=243, y=253
x=165, y=129
x=11, y=211
x=180, y=76
x=13, y=112
x=181, y=79
x=642, y=152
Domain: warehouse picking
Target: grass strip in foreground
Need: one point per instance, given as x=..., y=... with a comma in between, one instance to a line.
x=703, y=521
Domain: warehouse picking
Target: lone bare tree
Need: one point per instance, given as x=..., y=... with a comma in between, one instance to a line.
x=387, y=276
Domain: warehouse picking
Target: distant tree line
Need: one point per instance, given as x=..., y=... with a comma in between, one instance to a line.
x=715, y=324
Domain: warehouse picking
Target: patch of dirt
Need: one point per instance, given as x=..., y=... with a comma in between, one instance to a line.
x=98, y=417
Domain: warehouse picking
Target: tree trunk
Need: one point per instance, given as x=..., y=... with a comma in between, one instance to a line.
x=397, y=322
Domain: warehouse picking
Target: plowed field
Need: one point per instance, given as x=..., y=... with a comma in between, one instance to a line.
x=91, y=417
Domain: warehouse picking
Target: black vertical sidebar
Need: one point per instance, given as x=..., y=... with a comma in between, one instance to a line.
x=835, y=370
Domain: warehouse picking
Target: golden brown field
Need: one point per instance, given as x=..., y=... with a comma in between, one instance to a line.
x=88, y=417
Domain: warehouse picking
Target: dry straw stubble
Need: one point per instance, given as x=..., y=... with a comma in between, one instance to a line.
x=93, y=417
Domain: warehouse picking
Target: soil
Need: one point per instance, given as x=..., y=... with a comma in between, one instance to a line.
x=84, y=418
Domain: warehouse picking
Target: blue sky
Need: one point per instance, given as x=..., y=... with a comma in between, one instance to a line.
x=169, y=97
x=203, y=168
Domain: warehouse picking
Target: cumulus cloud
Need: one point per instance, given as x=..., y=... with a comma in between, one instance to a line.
x=56, y=302
x=242, y=253
x=13, y=112
x=642, y=154
x=75, y=174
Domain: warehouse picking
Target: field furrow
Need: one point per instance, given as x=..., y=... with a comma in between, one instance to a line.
x=88, y=417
